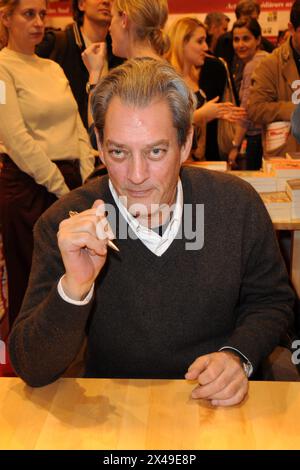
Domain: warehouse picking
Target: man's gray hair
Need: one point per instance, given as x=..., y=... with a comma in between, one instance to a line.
x=215, y=18
x=138, y=82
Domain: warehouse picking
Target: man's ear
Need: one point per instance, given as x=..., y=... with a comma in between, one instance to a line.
x=187, y=146
x=291, y=27
x=81, y=5
x=100, y=146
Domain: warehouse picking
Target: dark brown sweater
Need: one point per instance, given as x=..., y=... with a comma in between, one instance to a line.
x=152, y=316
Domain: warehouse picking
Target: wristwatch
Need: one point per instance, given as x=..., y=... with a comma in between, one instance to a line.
x=247, y=368
x=89, y=87
x=245, y=363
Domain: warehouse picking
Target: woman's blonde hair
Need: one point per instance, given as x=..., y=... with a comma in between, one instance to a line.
x=6, y=7
x=180, y=32
x=149, y=18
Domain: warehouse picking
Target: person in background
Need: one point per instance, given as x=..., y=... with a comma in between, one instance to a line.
x=141, y=309
x=136, y=31
x=246, y=43
x=283, y=35
x=224, y=48
x=271, y=93
x=91, y=22
x=188, y=54
x=44, y=148
x=216, y=24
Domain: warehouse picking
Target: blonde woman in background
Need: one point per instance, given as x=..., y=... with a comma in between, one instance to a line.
x=44, y=150
x=187, y=53
x=136, y=30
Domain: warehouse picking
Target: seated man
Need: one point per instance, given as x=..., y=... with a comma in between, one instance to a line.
x=198, y=288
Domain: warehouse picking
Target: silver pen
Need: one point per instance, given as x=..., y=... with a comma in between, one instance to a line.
x=109, y=242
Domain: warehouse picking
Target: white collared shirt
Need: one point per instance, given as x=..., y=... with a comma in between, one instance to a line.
x=152, y=240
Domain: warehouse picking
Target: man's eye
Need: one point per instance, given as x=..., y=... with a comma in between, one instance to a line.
x=157, y=152
x=116, y=153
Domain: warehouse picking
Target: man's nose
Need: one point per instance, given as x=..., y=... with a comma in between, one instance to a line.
x=138, y=169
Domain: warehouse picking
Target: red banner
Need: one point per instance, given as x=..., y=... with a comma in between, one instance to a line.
x=204, y=6
x=63, y=7
x=59, y=8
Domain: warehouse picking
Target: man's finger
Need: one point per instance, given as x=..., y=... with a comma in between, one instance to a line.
x=227, y=389
x=98, y=203
x=235, y=400
x=198, y=366
x=211, y=381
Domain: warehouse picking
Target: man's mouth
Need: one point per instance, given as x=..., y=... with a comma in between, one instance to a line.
x=138, y=192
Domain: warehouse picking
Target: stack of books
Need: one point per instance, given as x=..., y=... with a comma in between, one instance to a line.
x=293, y=191
x=269, y=160
x=217, y=165
x=288, y=170
x=293, y=156
x=278, y=204
x=261, y=181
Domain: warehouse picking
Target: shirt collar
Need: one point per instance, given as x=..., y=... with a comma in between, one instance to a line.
x=156, y=243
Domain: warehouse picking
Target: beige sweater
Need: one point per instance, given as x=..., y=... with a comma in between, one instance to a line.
x=39, y=119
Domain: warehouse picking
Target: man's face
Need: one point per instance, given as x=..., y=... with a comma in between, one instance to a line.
x=295, y=34
x=142, y=154
x=223, y=26
x=96, y=10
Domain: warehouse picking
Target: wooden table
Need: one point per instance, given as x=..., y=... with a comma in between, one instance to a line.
x=144, y=414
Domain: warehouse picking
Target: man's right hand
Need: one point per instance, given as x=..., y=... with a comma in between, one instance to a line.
x=83, y=252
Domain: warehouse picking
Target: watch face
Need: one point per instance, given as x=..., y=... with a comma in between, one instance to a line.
x=247, y=368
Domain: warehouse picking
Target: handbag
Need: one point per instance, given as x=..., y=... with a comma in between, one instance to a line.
x=226, y=129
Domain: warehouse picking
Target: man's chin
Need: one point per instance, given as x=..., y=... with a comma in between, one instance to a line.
x=104, y=21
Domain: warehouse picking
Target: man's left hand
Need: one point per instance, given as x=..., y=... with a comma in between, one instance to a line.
x=221, y=378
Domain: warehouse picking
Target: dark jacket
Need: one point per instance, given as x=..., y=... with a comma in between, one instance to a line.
x=212, y=81
x=65, y=47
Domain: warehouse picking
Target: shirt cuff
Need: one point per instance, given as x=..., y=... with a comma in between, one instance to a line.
x=248, y=366
x=64, y=296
